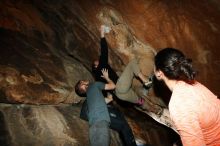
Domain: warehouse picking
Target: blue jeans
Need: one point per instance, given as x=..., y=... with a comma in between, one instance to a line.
x=99, y=134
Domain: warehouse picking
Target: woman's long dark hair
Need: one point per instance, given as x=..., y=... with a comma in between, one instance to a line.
x=175, y=65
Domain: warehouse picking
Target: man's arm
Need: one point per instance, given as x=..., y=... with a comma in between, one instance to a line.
x=103, y=60
x=109, y=98
x=110, y=84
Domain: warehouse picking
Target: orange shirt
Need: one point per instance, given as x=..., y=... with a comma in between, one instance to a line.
x=195, y=111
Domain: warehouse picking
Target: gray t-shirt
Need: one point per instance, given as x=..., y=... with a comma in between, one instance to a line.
x=97, y=108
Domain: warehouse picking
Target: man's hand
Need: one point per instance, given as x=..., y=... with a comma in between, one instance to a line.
x=102, y=31
x=109, y=98
x=105, y=74
x=110, y=85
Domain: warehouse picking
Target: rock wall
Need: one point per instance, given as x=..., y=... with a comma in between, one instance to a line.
x=46, y=46
x=44, y=126
x=49, y=125
x=50, y=40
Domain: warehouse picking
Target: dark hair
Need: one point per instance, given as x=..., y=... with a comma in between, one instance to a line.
x=175, y=65
x=78, y=89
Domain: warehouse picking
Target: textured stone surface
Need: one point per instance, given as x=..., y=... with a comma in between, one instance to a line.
x=48, y=125
x=42, y=41
x=44, y=126
x=47, y=46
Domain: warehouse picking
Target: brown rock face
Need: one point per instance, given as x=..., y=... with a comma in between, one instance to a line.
x=47, y=125
x=44, y=125
x=47, y=46
x=43, y=43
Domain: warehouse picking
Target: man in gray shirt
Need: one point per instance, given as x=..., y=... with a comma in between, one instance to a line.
x=98, y=115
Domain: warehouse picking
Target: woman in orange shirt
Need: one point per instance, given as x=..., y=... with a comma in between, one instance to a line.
x=194, y=109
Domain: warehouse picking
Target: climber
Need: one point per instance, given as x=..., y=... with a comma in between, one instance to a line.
x=123, y=85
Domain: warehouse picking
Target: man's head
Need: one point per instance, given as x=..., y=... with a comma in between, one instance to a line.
x=81, y=87
x=95, y=64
